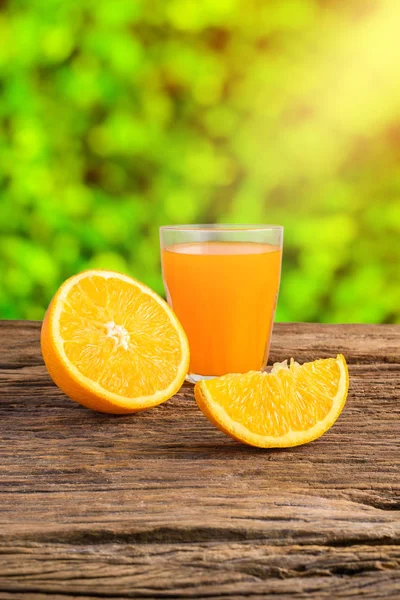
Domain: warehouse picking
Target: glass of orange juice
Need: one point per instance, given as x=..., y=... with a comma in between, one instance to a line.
x=222, y=281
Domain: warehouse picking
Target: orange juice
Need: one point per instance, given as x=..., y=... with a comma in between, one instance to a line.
x=224, y=294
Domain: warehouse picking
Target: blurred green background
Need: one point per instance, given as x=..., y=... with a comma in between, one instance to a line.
x=118, y=116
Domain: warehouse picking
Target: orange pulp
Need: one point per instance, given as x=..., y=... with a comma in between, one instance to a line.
x=224, y=294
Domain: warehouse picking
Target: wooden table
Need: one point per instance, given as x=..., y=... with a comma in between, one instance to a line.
x=162, y=505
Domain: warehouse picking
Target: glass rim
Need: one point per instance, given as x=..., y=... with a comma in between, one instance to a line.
x=221, y=227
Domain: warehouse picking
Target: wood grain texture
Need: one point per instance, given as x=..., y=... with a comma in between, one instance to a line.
x=162, y=505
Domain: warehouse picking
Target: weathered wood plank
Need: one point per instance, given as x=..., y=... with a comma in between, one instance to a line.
x=307, y=341
x=161, y=504
x=201, y=570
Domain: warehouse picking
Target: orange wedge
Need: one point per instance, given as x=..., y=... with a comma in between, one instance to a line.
x=292, y=405
x=112, y=344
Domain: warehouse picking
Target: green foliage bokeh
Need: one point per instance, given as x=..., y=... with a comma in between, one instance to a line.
x=119, y=116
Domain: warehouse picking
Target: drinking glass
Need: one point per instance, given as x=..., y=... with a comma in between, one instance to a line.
x=222, y=281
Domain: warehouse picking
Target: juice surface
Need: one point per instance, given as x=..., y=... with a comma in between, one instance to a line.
x=224, y=294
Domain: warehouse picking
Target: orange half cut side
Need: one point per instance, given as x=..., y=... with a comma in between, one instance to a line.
x=112, y=344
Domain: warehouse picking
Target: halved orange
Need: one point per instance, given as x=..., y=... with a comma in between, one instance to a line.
x=292, y=405
x=112, y=344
